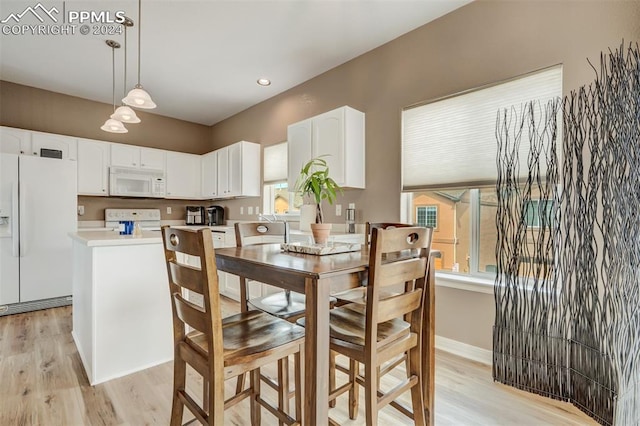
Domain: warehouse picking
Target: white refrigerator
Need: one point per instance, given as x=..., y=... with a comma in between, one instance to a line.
x=38, y=200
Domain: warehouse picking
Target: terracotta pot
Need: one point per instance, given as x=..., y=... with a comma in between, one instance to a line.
x=321, y=232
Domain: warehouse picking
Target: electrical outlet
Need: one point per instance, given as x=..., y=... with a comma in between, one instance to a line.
x=80, y=210
x=241, y=210
x=249, y=210
x=338, y=209
x=168, y=210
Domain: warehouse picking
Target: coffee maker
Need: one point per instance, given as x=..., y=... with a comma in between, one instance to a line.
x=215, y=215
x=196, y=215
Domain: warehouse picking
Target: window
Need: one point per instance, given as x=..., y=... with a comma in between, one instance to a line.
x=449, y=171
x=538, y=213
x=277, y=199
x=427, y=216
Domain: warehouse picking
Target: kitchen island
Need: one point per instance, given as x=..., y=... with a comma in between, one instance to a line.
x=122, y=321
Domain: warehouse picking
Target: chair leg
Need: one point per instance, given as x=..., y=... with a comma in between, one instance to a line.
x=240, y=383
x=414, y=368
x=179, y=381
x=371, y=392
x=283, y=386
x=332, y=375
x=354, y=392
x=255, y=396
x=298, y=380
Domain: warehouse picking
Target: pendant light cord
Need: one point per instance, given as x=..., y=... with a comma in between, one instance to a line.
x=139, y=25
x=124, y=86
x=113, y=76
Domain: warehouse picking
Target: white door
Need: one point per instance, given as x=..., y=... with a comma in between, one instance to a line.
x=48, y=200
x=125, y=155
x=235, y=169
x=151, y=158
x=183, y=175
x=15, y=141
x=93, y=167
x=299, y=149
x=66, y=144
x=210, y=175
x=223, y=172
x=328, y=139
x=9, y=248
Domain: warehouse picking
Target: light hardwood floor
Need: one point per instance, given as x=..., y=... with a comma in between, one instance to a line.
x=42, y=382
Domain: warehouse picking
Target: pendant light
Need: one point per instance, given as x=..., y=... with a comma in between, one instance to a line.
x=124, y=113
x=112, y=125
x=138, y=97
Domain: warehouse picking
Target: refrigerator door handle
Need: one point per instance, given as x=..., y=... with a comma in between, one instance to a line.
x=23, y=223
x=15, y=237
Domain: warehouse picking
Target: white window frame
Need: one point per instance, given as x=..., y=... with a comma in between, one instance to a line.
x=426, y=212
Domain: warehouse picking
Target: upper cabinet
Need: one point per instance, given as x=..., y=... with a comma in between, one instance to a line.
x=339, y=136
x=67, y=145
x=209, y=173
x=183, y=175
x=15, y=141
x=239, y=170
x=94, y=158
x=136, y=156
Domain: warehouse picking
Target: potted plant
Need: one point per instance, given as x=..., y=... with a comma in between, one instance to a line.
x=314, y=181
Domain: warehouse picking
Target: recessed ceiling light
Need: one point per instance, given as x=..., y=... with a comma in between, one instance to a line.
x=264, y=82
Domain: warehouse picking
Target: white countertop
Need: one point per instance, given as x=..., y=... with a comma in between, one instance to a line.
x=106, y=237
x=112, y=238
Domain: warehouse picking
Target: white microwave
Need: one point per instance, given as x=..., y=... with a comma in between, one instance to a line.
x=130, y=182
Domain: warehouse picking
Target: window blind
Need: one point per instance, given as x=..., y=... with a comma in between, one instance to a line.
x=451, y=142
x=275, y=163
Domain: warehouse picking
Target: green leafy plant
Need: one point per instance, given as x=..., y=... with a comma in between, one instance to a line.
x=314, y=181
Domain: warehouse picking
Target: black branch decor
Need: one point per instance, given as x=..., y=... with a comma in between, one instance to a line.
x=568, y=292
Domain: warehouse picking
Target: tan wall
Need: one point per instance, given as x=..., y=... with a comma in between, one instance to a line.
x=35, y=109
x=481, y=43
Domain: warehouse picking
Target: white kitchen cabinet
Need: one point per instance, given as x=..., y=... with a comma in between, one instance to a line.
x=15, y=141
x=239, y=170
x=339, y=136
x=94, y=158
x=136, y=156
x=183, y=178
x=209, y=171
x=67, y=144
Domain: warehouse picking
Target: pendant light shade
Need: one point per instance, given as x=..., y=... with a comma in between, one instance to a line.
x=114, y=126
x=139, y=98
x=125, y=114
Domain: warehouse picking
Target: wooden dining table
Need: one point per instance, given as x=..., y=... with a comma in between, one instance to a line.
x=317, y=277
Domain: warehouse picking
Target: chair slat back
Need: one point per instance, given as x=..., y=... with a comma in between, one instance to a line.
x=258, y=229
x=397, y=256
x=380, y=225
x=202, y=280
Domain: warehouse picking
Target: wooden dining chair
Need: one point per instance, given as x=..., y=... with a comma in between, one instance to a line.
x=386, y=326
x=284, y=304
x=220, y=348
x=358, y=294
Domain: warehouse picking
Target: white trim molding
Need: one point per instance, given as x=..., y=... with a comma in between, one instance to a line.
x=464, y=350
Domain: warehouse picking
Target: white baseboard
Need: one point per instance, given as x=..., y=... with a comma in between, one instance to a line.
x=464, y=350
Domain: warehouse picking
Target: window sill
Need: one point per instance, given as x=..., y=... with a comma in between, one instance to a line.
x=467, y=283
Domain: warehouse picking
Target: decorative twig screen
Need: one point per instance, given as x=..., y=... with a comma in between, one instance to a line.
x=567, y=290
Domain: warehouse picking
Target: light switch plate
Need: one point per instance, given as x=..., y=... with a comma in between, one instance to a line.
x=338, y=209
x=241, y=210
x=249, y=210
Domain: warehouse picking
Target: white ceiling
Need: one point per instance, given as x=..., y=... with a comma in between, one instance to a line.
x=201, y=59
